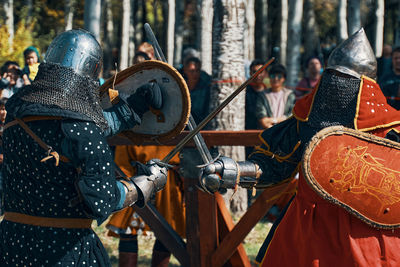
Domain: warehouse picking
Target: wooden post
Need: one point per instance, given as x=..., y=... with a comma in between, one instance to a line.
x=201, y=212
x=225, y=225
x=208, y=225
x=259, y=208
x=211, y=138
x=192, y=226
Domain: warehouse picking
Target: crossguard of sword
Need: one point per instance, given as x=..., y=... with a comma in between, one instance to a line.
x=166, y=165
x=212, y=161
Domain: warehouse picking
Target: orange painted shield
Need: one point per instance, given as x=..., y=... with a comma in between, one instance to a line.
x=357, y=171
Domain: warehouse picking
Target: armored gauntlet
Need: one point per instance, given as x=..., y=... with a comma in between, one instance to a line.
x=227, y=173
x=151, y=178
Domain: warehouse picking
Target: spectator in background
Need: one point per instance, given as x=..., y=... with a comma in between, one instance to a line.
x=390, y=82
x=189, y=53
x=313, y=74
x=199, y=83
x=253, y=91
x=11, y=80
x=140, y=57
x=385, y=61
x=275, y=103
x=32, y=62
x=146, y=48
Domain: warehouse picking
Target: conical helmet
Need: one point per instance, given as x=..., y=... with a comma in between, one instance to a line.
x=354, y=57
x=76, y=49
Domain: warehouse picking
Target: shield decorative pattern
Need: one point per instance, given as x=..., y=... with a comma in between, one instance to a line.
x=357, y=171
x=157, y=125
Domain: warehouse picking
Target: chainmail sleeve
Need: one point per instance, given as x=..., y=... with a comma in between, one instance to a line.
x=280, y=152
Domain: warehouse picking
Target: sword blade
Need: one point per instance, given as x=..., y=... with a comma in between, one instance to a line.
x=153, y=40
x=212, y=115
x=198, y=139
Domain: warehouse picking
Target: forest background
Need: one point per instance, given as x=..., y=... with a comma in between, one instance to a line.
x=318, y=26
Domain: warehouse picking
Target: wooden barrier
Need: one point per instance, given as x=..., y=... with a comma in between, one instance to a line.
x=211, y=138
x=212, y=237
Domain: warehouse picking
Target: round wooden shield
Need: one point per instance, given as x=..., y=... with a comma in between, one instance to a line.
x=358, y=171
x=157, y=125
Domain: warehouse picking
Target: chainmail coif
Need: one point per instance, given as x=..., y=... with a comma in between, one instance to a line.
x=335, y=101
x=62, y=87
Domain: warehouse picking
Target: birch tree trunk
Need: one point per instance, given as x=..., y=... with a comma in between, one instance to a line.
x=206, y=10
x=131, y=44
x=294, y=42
x=250, y=21
x=124, y=51
x=284, y=31
x=91, y=17
x=354, y=16
x=311, y=39
x=342, y=22
x=179, y=28
x=378, y=27
x=9, y=19
x=69, y=14
x=227, y=74
x=171, y=32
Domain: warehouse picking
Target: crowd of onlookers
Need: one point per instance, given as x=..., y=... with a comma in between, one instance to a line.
x=268, y=100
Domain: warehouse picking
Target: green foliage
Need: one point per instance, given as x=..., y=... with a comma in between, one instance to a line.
x=50, y=17
x=326, y=19
x=22, y=39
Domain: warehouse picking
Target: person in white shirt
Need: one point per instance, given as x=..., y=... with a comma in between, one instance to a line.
x=277, y=102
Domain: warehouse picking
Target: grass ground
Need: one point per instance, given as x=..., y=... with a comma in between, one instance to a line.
x=252, y=243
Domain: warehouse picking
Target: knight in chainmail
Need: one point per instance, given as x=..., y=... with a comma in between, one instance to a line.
x=313, y=230
x=58, y=174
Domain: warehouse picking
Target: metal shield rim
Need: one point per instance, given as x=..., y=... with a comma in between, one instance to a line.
x=139, y=138
x=313, y=183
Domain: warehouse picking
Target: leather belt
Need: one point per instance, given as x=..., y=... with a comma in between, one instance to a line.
x=46, y=221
